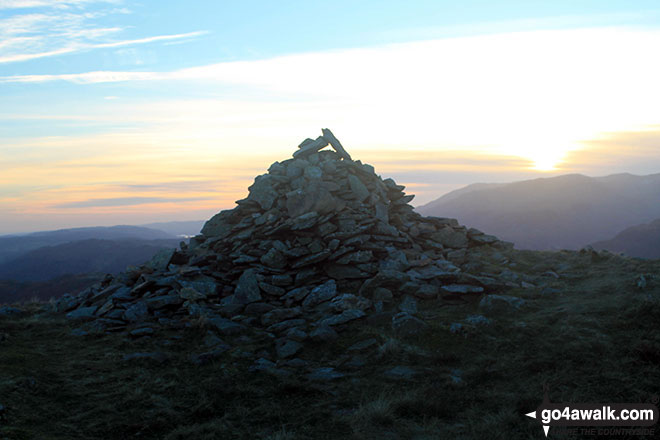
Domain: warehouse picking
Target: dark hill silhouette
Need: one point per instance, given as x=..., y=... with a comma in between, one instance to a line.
x=637, y=241
x=13, y=246
x=83, y=256
x=564, y=212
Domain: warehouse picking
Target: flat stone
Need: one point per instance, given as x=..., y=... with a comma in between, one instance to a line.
x=262, y=191
x=407, y=325
x=319, y=294
x=161, y=260
x=137, y=312
x=156, y=357
x=286, y=325
x=279, y=315
x=323, y=333
x=288, y=349
x=358, y=188
x=343, y=317
x=401, y=372
x=461, y=289
x=11, y=311
x=334, y=142
x=324, y=374
x=82, y=314
x=247, y=289
x=501, y=303
x=209, y=356
x=477, y=320
x=450, y=238
x=145, y=331
x=308, y=148
x=274, y=258
x=363, y=345
x=225, y=326
x=159, y=302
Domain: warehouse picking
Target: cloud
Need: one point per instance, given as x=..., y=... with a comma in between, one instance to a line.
x=59, y=4
x=125, y=201
x=90, y=76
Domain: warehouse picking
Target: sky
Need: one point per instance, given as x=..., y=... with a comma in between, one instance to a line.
x=126, y=112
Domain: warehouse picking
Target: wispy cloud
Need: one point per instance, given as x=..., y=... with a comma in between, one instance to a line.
x=125, y=201
x=59, y=4
x=60, y=28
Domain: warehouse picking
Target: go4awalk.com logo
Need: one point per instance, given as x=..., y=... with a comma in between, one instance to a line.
x=620, y=418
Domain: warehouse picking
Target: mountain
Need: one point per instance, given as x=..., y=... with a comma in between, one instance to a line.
x=564, y=212
x=80, y=257
x=637, y=241
x=22, y=291
x=180, y=229
x=13, y=246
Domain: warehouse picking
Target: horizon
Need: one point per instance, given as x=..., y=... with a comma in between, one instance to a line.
x=121, y=113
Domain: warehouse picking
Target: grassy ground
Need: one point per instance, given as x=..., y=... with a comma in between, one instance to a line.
x=593, y=339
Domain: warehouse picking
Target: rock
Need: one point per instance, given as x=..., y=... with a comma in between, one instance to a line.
x=342, y=318
x=209, y=356
x=137, y=312
x=408, y=305
x=159, y=302
x=401, y=372
x=461, y=289
x=357, y=187
x=285, y=325
x=288, y=349
x=262, y=192
x=448, y=237
x=324, y=374
x=261, y=364
x=79, y=332
x=363, y=345
x=477, y=320
x=155, y=356
x=225, y=326
x=161, y=260
x=323, y=333
x=334, y=142
x=382, y=294
x=296, y=334
x=319, y=294
x=191, y=294
x=427, y=291
x=145, y=331
x=82, y=314
x=247, y=289
x=500, y=303
x=456, y=327
x=407, y=325
x=273, y=258
x=308, y=148
x=279, y=315
x=11, y=311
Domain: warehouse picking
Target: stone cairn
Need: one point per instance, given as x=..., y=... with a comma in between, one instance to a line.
x=320, y=241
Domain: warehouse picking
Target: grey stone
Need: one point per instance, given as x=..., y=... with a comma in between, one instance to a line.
x=156, y=356
x=286, y=325
x=448, y=237
x=324, y=374
x=408, y=305
x=145, y=331
x=209, y=356
x=262, y=191
x=407, y=325
x=427, y=291
x=271, y=290
x=477, y=320
x=258, y=309
x=305, y=221
x=323, y=333
x=456, y=327
x=191, y=294
x=357, y=187
x=11, y=311
x=82, y=314
x=247, y=289
x=461, y=289
x=296, y=334
x=282, y=280
x=308, y=148
x=500, y=303
x=319, y=294
x=382, y=294
x=261, y=364
x=363, y=345
x=79, y=332
x=401, y=373
x=161, y=260
x=137, y=312
x=225, y=326
x=296, y=294
x=279, y=315
x=334, y=142
x=343, y=317
x=313, y=173
x=159, y=302
x=273, y=258
x=288, y=349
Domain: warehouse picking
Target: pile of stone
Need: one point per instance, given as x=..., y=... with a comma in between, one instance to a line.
x=320, y=241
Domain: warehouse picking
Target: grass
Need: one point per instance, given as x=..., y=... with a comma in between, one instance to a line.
x=593, y=340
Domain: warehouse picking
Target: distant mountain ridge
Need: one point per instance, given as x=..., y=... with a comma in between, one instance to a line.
x=637, y=241
x=81, y=257
x=13, y=246
x=563, y=212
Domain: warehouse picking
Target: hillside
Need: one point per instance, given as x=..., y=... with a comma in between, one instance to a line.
x=564, y=212
x=13, y=246
x=80, y=257
x=637, y=241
